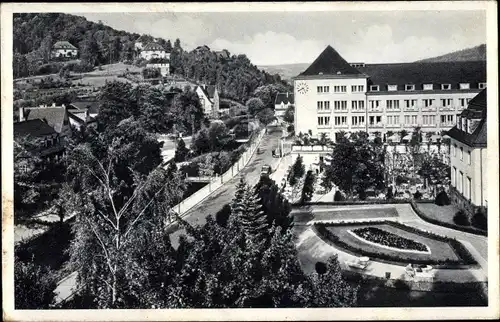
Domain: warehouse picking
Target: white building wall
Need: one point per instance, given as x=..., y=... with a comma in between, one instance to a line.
x=475, y=170
x=419, y=111
x=205, y=102
x=149, y=54
x=306, y=105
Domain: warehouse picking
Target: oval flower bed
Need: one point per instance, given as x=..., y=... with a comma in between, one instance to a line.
x=385, y=238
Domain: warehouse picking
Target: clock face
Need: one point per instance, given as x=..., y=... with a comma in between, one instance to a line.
x=302, y=88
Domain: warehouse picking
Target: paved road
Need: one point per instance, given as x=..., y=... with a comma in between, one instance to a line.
x=224, y=195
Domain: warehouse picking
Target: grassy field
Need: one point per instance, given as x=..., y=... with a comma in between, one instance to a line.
x=439, y=250
x=356, y=214
x=440, y=213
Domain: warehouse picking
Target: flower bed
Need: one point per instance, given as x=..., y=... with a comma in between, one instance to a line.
x=385, y=238
x=465, y=257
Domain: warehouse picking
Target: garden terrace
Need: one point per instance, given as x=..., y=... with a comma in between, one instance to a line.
x=444, y=251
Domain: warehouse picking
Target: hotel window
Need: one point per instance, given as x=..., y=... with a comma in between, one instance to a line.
x=361, y=88
x=324, y=120
x=469, y=188
x=446, y=102
x=358, y=105
x=461, y=182
x=375, y=120
x=428, y=102
x=469, y=157
x=392, y=104
x=374, y=104
x=339, y=89
x=407, y=119
x=429, y=119
x=414, y=119
x=461, y=153
x=358, y=120
x=454, y=150
x=445, y=86
x=464, y=86
x=340, y=120
x=428, y=87
x=409, y=87
x=374, y=88
x=323, y=105
x=454, y=177
x=389, y=119
x=396, y=119
x=340, y=105
x=357, y=88
x=449, y=119
x=463, y=102
x=410, y=103
x=481, y=85
x=392, y=88
x=323, y=89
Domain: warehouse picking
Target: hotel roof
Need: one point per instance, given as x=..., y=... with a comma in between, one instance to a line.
x=475, y=109
x=152, y=46
x=453, y=73
x=329, y=62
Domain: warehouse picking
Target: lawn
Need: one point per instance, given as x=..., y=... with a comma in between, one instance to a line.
x=443, y=251
x=357, y=214
x=440, y=213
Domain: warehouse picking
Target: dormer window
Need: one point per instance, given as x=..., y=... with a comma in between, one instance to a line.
x=459, y=122
x=464, y=86
x=481, y=85
x=428, y=87
x=374, y=88
x=409, y=87
x=445, y=87
x=392, y=88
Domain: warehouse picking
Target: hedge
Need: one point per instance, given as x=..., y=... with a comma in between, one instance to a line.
x=460, y=250
x=424, y=217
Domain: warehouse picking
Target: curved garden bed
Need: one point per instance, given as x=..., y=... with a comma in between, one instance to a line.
x=445, y=252
x=384, y=238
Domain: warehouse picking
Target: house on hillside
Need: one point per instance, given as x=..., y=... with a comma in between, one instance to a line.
x=282, y=103
x=83, y=113
x=163, y=64
x=154, y=50
x=468, y=157
x=140, y=42
x=50, y=141
x=209, y=99
x=64, y=49
x=223, y=54
x=55, y=116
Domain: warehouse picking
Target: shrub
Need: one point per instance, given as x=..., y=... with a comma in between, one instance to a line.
x=417, y=195
x=320, y=268
x=442, y=199
x=390, y=194
x=461, y=219
x=480, y=221
x=338, y=196
x=290, y=128
x=362, y=194
x=222, y=216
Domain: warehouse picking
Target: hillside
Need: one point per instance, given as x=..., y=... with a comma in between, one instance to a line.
x=286, y=71
x=98, y=44
x=469, y=54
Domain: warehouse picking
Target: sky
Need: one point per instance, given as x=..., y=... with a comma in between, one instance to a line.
x=272, y=38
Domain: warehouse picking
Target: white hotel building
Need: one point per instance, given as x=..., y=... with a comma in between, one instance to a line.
x=332, y=95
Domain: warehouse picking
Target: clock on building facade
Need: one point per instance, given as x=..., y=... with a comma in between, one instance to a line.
x=302, y=88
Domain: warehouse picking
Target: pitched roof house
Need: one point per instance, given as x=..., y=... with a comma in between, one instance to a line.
x=64, y=49
x=209, y=98
x=55, y=116
x=329, y=62
x=50, y=142
x=468, y=157
x=282, y=102
x=154, y=50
